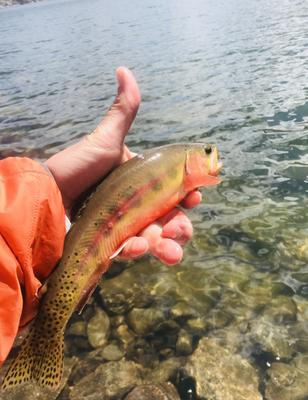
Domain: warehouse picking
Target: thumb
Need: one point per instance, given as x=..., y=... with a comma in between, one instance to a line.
x=111, y=131
x=79, y=166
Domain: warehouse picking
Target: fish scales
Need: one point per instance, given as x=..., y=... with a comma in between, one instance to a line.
x=130, y=198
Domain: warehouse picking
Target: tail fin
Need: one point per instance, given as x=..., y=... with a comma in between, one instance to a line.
x=40, y=360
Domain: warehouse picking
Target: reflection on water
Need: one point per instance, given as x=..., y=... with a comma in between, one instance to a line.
x=232, y=73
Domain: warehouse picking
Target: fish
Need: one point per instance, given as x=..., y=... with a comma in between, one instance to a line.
x=133, y=195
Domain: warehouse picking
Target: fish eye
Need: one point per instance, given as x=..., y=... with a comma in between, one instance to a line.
x=208, y=150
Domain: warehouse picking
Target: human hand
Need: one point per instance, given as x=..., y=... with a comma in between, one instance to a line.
x=81, y=165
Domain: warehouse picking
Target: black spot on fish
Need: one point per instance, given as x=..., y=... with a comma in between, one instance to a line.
x=112, y=209
x=158, y=186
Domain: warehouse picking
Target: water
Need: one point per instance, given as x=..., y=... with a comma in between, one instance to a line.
x=228, y=72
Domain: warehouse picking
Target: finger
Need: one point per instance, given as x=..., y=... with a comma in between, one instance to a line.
x=178, y=228
x=165, y=249
x=192, y=199
x=135, y=247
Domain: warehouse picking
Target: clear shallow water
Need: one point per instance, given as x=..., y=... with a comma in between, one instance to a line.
x=232, y=73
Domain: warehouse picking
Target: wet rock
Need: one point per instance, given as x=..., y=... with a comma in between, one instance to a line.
x=287, y=382
x=234, y=337
x=76, y=345
x=77, y=338
x=234, y=275
x=112, y=353
x=301, y=276
x=143, y=353
x=199, y=290
x=117, y=320
x=184, y=345
x=281, y=309
x=257, y=294
x=234, y=304
x=110, y=381
x=132, y=288
x=197, y=326
x=166, y=353
x=182, y=310
x=302, y=308
x=300, y=332
x=221, y=374
x=302, y=250
x=144, y=320
x=160, y=342
x=260, y=292
x=78, y=328
x=124, y=335
x=218, y=319
x=168, y=327
x=164, y=391
x=165, y=371
x=83, y=368
x=273, y=338
x=98, y=329
x=301, y=362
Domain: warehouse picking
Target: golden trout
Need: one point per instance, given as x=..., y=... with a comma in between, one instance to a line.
x=134, y=195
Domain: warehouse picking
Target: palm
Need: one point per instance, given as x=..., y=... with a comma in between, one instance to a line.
x=81, y=165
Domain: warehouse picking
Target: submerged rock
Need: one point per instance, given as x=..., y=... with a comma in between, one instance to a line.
x=132, y=288
x=78, y=328
x=184, y=345
x=165, y=371
x=110, y=381
x=112, y=353
x=124, y=335
x=221, y=374
x=144, y=320
x=273, y=338
x=197, y=326
x=164, y=391
x=98, y=329
x=288, y=382
x=300, y=333
x=281, y=309
x=182, y=310
x=218, y=318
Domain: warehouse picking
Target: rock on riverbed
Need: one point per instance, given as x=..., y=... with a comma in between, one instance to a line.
x=220, y=374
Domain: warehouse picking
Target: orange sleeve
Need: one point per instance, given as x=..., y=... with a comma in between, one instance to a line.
x=32, y=232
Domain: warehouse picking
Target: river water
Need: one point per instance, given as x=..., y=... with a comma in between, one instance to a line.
x=228, y=72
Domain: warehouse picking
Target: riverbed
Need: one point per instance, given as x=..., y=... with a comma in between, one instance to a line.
x=231, y=73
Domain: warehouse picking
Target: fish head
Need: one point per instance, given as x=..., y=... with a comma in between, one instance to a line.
x=202, y=166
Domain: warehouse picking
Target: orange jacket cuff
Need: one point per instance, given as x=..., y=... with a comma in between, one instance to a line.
x=32, y=232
